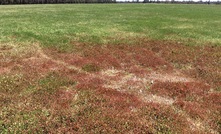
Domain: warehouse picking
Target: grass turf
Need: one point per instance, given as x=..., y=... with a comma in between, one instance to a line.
x=95, y=89
x=58, y=25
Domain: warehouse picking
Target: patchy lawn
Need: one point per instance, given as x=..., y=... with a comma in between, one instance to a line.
x=149, y=87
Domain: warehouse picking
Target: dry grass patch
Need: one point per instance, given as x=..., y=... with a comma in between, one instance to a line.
x=110, y=88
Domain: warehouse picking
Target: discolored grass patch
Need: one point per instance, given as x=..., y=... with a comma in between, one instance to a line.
x=150, y=87
x=91, y=68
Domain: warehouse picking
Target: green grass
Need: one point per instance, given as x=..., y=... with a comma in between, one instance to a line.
x=58, y=25
x=102, y=89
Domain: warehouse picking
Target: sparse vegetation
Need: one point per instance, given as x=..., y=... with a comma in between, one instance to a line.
x=127, y=68
x=90, y=68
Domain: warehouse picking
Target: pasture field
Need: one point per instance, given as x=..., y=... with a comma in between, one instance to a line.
x=110, y=68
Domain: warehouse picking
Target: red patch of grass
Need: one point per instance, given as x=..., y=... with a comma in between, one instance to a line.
x=208, y=109
x=86, y=82
x=139, y=71
x=179, y=90
x=164, y=119
x=194, y=109
x=120, y=100
x=117, y=56
x=214, y=98
x=62, y=99
x=200, y=62
x=33, y=68
x=105, y=110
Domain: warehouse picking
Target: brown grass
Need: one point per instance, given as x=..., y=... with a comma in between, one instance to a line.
x=150, y=87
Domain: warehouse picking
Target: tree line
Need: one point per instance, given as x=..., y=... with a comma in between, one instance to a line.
x=6, y=2
x=3, y=2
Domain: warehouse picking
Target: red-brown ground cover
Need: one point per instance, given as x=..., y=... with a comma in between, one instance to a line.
x=108, y=88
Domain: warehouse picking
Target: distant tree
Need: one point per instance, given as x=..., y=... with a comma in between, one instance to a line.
x=209, y=2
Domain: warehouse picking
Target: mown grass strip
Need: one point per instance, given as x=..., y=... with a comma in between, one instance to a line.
x=58, y=25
